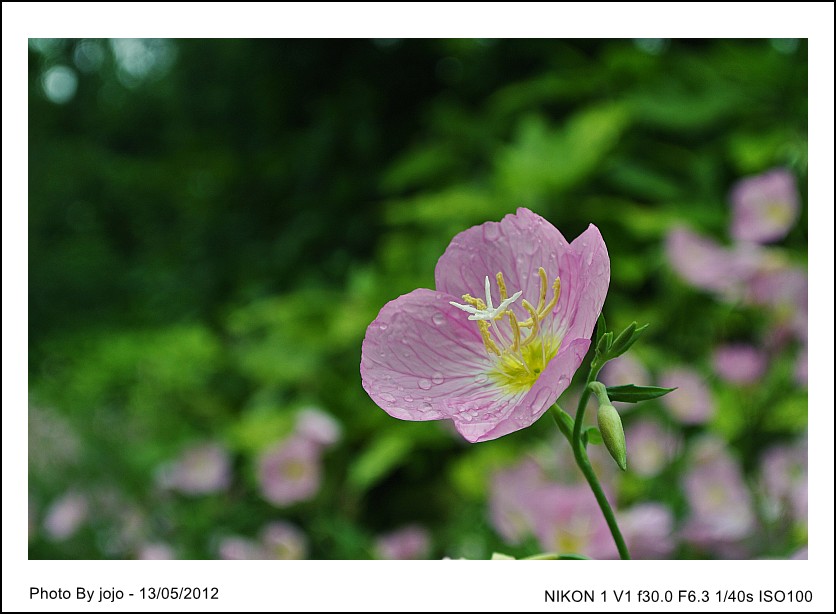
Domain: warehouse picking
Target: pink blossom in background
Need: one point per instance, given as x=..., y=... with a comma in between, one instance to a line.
x=707, y=265
x=782, y=288
x=241, y=549
x=650, y=446
x=500, y=338
x=201, y=469
x=411, y=542
x=65, y=516
x=284, y=541
x=567, y=519
x=648, y=531
x=739, y=363
x=512, y=494
x=156, y=551
x=721, y=513
x=765, y=206
x=626, y=369
x=318, y=426
x=784, y=478
x=289, y=471
x=691, y=403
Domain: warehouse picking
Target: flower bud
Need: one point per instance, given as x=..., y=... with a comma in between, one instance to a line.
x=609, y=423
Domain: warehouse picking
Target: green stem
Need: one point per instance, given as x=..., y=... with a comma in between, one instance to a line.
x=582, y=459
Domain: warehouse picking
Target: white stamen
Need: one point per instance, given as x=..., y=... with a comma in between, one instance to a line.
x=490, y=312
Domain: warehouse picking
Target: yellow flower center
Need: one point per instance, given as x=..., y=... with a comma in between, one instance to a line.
x=521, y=352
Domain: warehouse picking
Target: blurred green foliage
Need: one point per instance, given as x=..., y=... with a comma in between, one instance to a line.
x=213, y=224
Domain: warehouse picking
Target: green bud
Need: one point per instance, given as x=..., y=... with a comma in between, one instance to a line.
x=612, y=432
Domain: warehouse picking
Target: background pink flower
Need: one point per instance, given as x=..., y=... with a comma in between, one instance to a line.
x=289, y=471
x=426, y=359
x=765, y=206
x=692, y=403
x=410, y=542
x=650, y=447
x=65, y=516
x=739, y=363
x=721, y=513
x=201, y=469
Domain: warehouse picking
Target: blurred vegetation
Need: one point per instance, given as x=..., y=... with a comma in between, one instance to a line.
x=213, y=224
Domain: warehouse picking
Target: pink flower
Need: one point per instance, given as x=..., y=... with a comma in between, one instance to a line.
x=277, y=541
x=201, y=469
x=501, y=336
x=692, y=403
x=411, y=542
x=647, y=529
x=765, y=206
x=156, y=551
x=651, y=447
x=318, y=426
x=567, y=519
x=709, y=266
x=289, y=471
x=65, y=516
x=721, y=506
x=284, y=541
x=739, y=363
x=784, y=471
x=513, y=492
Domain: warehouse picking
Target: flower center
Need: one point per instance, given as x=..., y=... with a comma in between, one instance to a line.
x=520, y=349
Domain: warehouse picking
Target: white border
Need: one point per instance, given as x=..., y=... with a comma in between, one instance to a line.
x=451, y=585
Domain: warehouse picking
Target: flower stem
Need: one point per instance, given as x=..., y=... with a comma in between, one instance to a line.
x=579, y=450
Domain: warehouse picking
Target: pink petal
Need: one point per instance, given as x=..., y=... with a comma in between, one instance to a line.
x=582, y=294
x=514, y=414
x=765, y=206
x=422, y=360
x=517, y=246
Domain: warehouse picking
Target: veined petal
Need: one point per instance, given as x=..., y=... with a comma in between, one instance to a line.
x=514, y=413
x=421, y=360
x=584, y=283
x=517, y=247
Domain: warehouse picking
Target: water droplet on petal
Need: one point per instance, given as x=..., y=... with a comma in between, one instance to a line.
x=387, y=397
x=400, y=388
x=424, y=384
x=426, y=406
x=491, y=231
x=383, y=326
x=408, y=399
x=438, y=319
x=481, y=378
x=438, y=378
x=467, y=417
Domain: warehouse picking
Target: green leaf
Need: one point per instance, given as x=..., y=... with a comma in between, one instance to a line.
x=625, y=340
x=630, y=393
x=593, y=436
x=600, y=329
x=378, y=460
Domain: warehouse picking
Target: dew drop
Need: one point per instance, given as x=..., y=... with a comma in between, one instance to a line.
x=408, y=399
x=438, y=378
x=400, y=388
x=481, y=378
x=387, y=397
x=424, y=384
x=467, y=417
x=426, y=406
x=438, y=319
x=383, y=326
x=491, y=231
